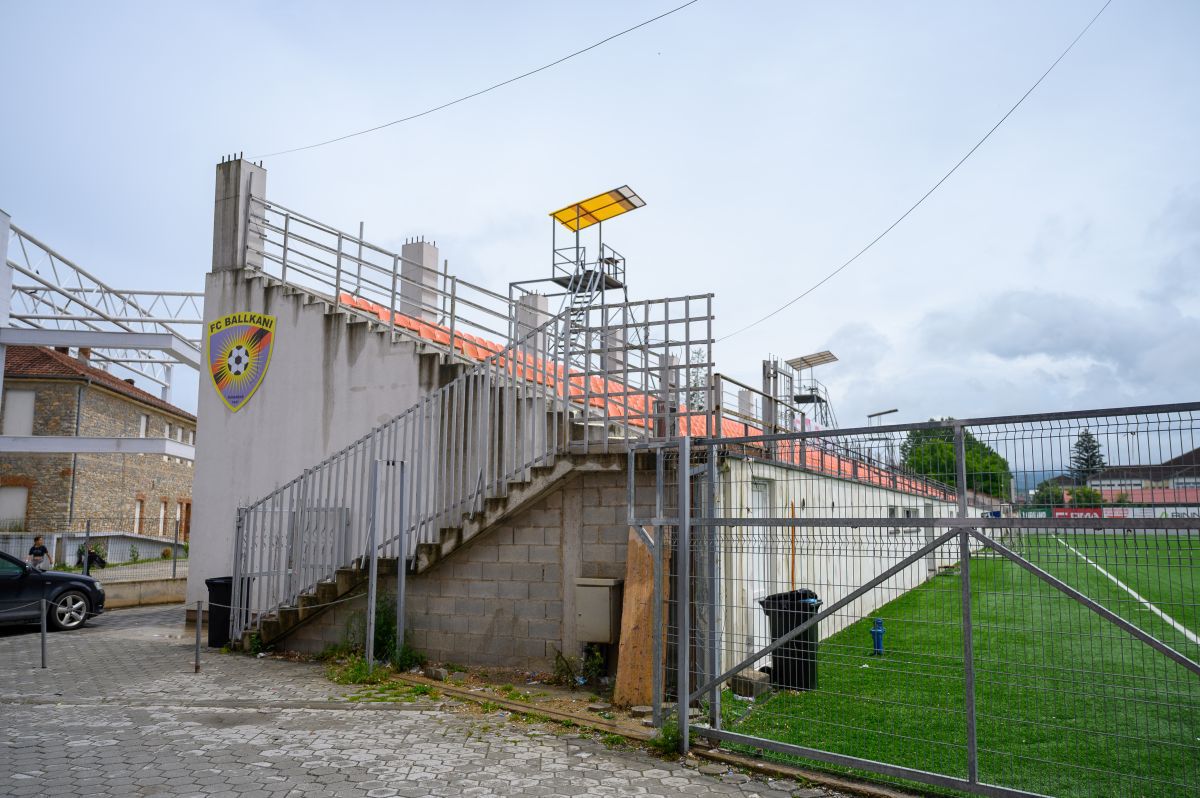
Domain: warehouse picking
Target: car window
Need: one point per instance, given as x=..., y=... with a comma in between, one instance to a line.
x=10, y=568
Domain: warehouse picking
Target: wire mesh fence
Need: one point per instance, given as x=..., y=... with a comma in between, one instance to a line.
x=111, y=548
x=1004, y=607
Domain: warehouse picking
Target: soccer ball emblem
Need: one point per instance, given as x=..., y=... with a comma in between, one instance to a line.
x=238, y=360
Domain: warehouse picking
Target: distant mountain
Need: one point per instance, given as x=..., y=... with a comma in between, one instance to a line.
x=1029, y=480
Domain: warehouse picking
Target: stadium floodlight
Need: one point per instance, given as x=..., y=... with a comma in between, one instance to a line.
x=815, y=359
x=599, y=208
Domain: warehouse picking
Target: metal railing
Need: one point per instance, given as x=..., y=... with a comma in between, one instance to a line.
x=1034, y=632
x=311, y=255
x=560, y=389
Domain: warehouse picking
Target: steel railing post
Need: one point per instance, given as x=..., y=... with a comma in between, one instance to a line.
x=199, y=621
x=175, y=552
x=373, y=579
x=287, y=218
x=45, y=605
x=87, y=547
x=402, y=558
x=392, y=305
x=683, y=602
x=337, y=279
x=964, y=554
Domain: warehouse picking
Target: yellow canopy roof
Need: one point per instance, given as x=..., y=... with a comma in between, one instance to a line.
x=599, y=208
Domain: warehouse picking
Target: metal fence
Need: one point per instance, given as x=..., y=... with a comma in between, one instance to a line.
x=591, y=382
x=1023, y=619
x=118, y=553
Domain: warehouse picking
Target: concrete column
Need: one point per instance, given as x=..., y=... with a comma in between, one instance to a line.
x=533, y=310
x=6, y=281
x=419, y=280
x=237, y=237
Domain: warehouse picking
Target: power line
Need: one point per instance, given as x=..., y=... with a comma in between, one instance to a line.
x=493, y=87
x=927, y=194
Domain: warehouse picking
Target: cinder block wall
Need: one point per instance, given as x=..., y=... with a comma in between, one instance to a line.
x=507, y=598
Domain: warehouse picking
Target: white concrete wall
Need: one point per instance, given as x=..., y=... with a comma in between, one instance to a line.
x=328, y=383
x=758, y=561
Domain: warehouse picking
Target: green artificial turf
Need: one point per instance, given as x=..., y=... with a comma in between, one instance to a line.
x=1067, y=703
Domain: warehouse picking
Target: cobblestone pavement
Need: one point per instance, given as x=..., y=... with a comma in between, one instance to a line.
x=120, y=712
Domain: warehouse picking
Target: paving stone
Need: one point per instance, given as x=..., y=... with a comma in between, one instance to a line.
x=119, y=712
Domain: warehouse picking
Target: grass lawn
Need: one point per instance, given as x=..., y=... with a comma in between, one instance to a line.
x=1067, y=704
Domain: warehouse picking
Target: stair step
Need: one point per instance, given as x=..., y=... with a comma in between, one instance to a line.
x=289, y=617
x=346, y=579
x=326, y=591
x=305, y=604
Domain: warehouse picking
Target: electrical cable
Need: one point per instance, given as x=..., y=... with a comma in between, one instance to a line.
x=493, y=87
x=927, y=194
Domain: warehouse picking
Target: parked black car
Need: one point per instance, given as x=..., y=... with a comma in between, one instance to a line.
x=73, y=597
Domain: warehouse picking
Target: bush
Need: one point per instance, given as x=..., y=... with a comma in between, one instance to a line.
x=166, y=552
x=404, y=657
x=133, y=554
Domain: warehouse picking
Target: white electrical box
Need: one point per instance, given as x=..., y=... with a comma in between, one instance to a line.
x=598, y=610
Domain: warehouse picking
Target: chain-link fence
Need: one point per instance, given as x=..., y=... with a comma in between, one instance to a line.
x=1003, y=606
x=113, y=549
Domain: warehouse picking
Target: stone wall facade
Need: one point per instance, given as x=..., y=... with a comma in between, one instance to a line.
x=66, y=490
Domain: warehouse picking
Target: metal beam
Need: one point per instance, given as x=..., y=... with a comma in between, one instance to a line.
x=70, y=444
x=166, y=343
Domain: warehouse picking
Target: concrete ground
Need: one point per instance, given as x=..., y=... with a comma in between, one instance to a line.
x=120, y=712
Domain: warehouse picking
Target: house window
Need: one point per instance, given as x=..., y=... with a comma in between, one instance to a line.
x=162, y=518
x=143, y=425
x=18, y=412
x=13, y=501
x=191, y=437
x=139, y=510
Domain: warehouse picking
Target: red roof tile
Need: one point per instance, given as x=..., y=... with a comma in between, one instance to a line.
x=40, y=362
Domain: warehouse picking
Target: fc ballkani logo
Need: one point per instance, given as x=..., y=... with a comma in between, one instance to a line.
x=239, y=351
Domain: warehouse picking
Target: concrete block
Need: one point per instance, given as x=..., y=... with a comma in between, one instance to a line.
x=436, y=605
x=547, y=591
x=471, y=606
x=467, y=570
x=534, y=535
x=544, y=629
x=454, y=624
x=513, y=590
x=750, y=684
x=501, y=536
x=513, y=553
x=532, y=610
x=437, y=674
x=498, y=571
x=597, y=515
x=481, y=589
x=527, y=572
x=615, y=535
x=543, y=554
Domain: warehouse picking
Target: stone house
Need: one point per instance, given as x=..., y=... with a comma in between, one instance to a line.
x=49, y=393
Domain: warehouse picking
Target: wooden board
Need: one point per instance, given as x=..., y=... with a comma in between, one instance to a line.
x=635, y=657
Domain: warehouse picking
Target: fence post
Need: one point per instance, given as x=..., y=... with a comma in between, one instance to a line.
x=337, y=280
x=45, y=611
x=683, y=603
x=964, y=561
x=87, y=547
x=659, y=589
x=175, y=552
x=199, y=621
x=710, y=532
x=373, y=552
x=287, y=218
x=401, y=558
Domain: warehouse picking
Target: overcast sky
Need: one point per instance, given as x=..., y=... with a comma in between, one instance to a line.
x=1059, y=269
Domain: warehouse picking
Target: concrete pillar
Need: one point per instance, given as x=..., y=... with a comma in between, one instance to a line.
x=533, y=310
x=237, y=237
x=6, y=281
x=419, y=281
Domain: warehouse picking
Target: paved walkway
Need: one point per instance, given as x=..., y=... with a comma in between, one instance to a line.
x=120, y=712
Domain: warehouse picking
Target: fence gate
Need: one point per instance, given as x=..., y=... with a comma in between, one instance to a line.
x=1004, y=606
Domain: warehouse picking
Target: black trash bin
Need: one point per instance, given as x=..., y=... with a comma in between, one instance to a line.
x=794, y=664
x=220, y=596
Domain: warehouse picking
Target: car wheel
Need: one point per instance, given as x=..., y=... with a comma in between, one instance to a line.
x=69, y=611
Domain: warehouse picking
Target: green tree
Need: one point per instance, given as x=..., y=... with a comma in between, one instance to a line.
x=930, y=452
x=1086, y=458
x=1049, y=494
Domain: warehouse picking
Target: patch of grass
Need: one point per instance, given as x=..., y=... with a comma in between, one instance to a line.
x=613, y=740
x=489, y=706
x=666, y=742
x=512, y=693
x=395, y=692
x=1067, y=704
x=354, y=671
x=454, y=668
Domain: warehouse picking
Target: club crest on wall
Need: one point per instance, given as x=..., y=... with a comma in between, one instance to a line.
x=239, y=351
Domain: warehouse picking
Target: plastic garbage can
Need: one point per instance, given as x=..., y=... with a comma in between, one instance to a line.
x=220, y=596
x=794, y=664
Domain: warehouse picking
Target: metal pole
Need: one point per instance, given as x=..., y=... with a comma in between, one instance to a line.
x=373, y=579
x=358, y=278
x=287, y=218
x=45, y=612
x=683, y=687
x=87, y=547
x=337, y=280
x=401, y=558
x=659, y=585
x=175, y=552
x=713, y=663
x=964, y=554
x=199, y=620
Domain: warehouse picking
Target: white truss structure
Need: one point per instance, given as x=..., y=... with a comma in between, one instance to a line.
x=55, y=302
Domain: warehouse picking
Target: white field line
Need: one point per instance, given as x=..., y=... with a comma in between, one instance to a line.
x=1174, y=623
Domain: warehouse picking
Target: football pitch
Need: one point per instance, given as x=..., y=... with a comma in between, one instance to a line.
x=1067, y=703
